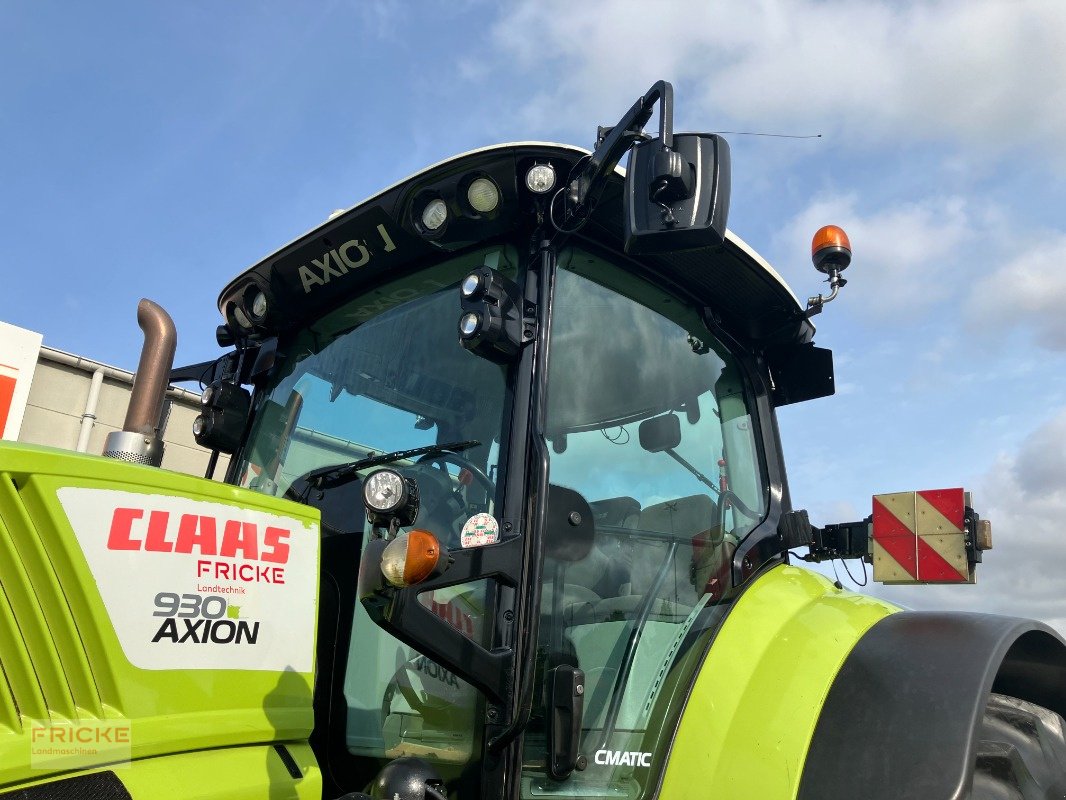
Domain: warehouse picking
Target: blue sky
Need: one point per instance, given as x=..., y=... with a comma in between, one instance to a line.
x=158, y=149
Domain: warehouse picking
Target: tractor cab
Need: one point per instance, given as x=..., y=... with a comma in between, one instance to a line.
x=655, y=475
x=533, y=399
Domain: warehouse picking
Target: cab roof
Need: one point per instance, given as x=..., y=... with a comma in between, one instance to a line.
x=740, y=288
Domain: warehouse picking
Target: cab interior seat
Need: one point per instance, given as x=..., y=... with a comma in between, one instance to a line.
x=660, y=556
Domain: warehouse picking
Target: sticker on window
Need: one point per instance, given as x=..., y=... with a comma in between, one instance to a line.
x=480, y=530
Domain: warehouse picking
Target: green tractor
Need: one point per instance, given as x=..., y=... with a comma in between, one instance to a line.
x=505, y=517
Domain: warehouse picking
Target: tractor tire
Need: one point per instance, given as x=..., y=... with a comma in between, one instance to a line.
x=1021, y=753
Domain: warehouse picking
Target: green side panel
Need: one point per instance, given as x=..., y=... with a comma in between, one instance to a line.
x=751, y=715
x=241, y=773
x=62, y=657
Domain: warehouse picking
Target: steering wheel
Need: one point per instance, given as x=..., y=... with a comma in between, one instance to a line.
x=462, y=463
x=442, y=502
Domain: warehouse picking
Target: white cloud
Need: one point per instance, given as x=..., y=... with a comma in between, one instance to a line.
x=1027, y=291
x=380, y=17
x=906, y=256
x=981, y=72
x=911, y=256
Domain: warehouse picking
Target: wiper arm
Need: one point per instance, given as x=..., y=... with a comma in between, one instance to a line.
x=340, y=474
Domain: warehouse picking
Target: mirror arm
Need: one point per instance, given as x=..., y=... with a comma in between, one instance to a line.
x=698, y=475
x=610, y=149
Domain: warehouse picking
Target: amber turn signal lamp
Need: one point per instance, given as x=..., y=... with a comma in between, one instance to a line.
x=830, y=249
x=410, y=558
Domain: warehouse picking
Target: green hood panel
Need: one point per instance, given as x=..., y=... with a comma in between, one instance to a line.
x=179, y=609
x=755, y=702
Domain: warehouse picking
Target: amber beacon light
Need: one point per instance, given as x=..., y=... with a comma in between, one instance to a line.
x=831, y=254
x=830, y=248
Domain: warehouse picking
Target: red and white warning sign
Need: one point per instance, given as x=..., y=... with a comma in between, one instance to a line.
x=920, y=537
x=18, y=359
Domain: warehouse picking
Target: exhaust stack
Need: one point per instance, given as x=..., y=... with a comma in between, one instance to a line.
x=140, y=441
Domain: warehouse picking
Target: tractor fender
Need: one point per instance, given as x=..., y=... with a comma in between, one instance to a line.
x=903, y=714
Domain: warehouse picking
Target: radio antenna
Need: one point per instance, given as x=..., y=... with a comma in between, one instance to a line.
x=775, y=135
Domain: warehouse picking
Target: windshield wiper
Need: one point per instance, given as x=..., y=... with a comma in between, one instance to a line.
x=340, y=474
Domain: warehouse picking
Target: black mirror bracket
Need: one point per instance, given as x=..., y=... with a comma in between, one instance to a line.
x=838, y=540
x=612, y=143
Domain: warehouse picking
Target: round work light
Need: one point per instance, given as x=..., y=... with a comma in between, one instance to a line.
x=434, y=215
x=469, y=324
x=384, y=491
x=259, y=307
x=540, y=178
x=471, y=286
x=483, y=195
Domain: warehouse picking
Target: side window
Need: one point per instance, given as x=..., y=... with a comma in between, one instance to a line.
x=651, y=427
x=401, y=703
x=377, y=377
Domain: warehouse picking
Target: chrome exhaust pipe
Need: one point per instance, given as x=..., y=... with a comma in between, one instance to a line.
x=140, y=440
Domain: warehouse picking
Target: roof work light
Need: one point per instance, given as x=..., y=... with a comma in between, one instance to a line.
x=491, y=324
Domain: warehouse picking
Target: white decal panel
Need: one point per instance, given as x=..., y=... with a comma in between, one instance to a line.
x=191, y=584
x=480, y=530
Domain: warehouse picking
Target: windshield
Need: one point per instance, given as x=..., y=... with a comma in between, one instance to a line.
x=649, y=424
x=382, y=375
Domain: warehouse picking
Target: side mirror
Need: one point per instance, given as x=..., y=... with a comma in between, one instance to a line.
x=659, y=434
x=677, y=198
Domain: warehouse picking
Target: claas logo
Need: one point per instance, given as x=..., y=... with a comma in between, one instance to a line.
x=156, y=531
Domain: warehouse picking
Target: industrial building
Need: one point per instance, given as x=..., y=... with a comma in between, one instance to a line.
x=58, y=399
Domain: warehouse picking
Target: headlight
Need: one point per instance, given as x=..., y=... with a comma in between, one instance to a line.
x=471, y=286
x=242, y=318
x=384, y=491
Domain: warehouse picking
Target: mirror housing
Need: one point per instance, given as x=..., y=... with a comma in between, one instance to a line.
x=677, y=198
x=660, y=434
